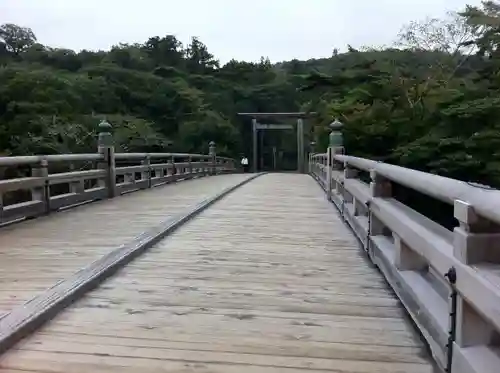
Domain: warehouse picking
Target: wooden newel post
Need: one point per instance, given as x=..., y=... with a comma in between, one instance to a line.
x=380, y=187
x=147, y=174
x=42, y=193
x=190, y=166
x=475, y=241
x=107, y=149
x=336, y=146
x=329, y=165
x=78, y=186
x=173, y=171
x=213, y=157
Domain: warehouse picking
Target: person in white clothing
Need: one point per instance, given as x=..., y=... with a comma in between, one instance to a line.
x=244, y=164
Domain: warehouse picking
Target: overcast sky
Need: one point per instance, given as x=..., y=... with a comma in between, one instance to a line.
x=244, y=30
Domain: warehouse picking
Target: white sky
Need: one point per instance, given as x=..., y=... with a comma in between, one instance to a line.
x=244, y=30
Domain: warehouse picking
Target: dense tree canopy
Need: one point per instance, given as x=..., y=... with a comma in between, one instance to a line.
x=431, y=102
x=432, y=106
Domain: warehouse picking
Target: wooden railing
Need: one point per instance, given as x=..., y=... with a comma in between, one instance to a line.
x=53, y=182
x=448, y=280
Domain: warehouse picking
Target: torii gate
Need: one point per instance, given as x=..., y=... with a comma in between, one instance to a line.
x=256, y=126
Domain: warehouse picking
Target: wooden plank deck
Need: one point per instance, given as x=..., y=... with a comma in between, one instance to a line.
x=267, y=280
x=36, y=254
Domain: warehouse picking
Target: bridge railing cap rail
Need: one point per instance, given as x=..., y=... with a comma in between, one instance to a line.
x=484, y=200
x=35, y=159
x=123, y=156
x=445, y=274
x=54, y=158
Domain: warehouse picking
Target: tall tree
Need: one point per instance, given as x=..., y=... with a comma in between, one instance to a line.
x=166, y=51
x=199, y=60
x=485, y=22
x=449, y=34
x=15, y=38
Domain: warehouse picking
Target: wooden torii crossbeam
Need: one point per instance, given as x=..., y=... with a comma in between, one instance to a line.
x=300, y=116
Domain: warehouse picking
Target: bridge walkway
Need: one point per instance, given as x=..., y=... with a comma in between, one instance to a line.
x=36, y=254
x=268, y=279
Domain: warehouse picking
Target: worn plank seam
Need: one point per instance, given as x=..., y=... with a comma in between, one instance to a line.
x=26, y=318
x=380, y=264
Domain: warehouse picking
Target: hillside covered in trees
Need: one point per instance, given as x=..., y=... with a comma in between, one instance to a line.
x=429, y=102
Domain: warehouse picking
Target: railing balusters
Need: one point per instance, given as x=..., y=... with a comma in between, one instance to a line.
x=77, y=186
x=41, y=192
x=146, y=173
x=153, y=168
x=414, y=252
x=147, y=170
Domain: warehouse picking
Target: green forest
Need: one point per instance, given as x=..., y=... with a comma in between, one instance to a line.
x=430, y=102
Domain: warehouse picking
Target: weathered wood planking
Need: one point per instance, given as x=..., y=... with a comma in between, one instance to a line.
x=267, y=280
x=24, y=319
x=34, y=255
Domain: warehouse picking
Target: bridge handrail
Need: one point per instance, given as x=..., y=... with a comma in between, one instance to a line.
x=34, y=159
x=486, y=201
x=107, y=178
x=127, y=156
x=414, y=253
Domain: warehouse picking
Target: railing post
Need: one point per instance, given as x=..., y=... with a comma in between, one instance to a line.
x=1, y=207
x=405, y=258
x=380, y=187
x=107, y=150
x=313, y=166
x=475, y=240
x=173, y=171
x=349, y=173
x=329, y=165
x=76, y=187
x=146, y=175
x=213, y=159
x=190, y=166
x=325, y=168
x=336, y=146
x=316, y=166
x=42, y=193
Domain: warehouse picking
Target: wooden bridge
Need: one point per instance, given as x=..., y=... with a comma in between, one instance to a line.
x=204, y=269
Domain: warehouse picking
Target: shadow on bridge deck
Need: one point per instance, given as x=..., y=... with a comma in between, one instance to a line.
x=267, y=280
